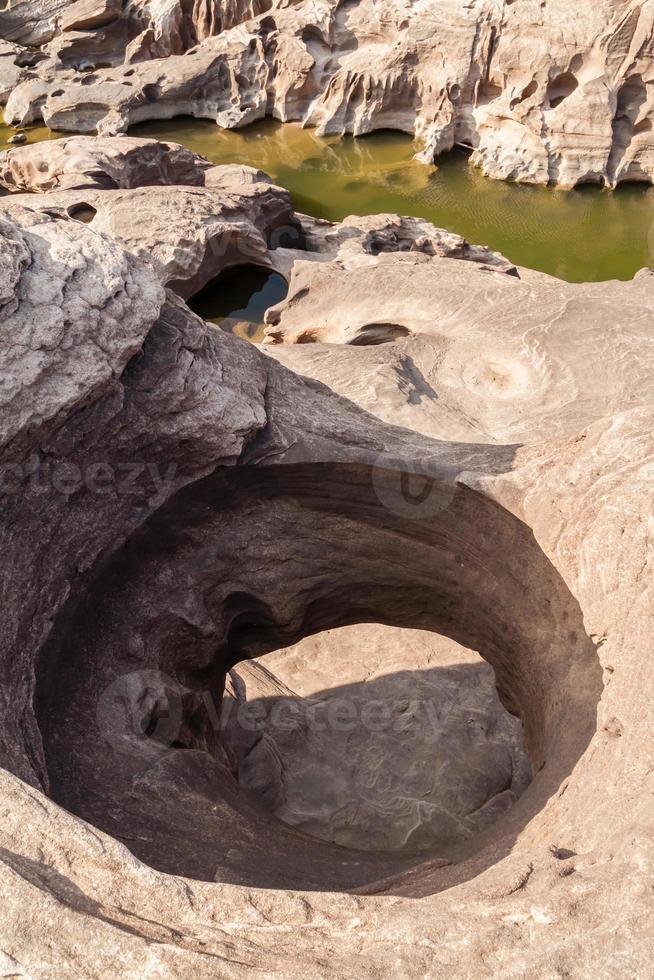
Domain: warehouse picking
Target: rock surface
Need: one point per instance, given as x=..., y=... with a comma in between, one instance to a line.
x=176, y=502
x=83, y=161
x=187, y=233
x=412, y=740
x=542, y=92
x=85, y=15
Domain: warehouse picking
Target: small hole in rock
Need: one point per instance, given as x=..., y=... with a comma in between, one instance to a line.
x=82, y=212
x=561, y=88
x=237, y=299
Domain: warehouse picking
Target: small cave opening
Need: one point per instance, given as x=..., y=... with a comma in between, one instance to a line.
x=238, y=298
x=561, y=88
x=630, y=100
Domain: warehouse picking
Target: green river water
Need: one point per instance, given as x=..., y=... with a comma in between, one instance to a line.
x=581, y=235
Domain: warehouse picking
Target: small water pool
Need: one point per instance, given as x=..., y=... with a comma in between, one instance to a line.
x=237, y=299
x=34, y=134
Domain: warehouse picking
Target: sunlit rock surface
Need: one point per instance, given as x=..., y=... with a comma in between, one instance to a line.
x=83, y=161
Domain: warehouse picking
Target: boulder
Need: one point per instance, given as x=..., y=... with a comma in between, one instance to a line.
x=86, y=162
x=85, y=15
x=31, y=23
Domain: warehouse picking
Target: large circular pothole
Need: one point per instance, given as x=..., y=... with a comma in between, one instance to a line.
x=419, y=762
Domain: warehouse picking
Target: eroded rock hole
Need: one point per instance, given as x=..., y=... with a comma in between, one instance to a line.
x=560, y=88
x=374, y=334
x=235, y=595
x=631, y=98
x=488, y=91
x=527, y=92
x=237, y=299
x=82, y=212
x=627, y=123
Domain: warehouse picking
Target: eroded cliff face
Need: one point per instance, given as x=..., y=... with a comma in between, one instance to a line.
x=169, y=27
x=541, y=92
x=436, y=457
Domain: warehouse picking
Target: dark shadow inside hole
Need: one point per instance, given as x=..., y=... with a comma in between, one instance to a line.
x=238, y=298
x=560, y=88
x=374, y=334
x=82, y=212
x=403, y=762
x=472, y=572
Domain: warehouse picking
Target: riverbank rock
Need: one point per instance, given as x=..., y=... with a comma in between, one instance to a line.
x=538, y=92
x=472, y=345
x=85, y=162
x=188, y=234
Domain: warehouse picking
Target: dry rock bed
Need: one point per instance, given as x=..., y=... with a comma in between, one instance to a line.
x=328, y=656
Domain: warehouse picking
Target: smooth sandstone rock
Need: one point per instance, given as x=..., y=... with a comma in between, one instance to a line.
x=82, y=161
x=187, y=234
x=85, y=15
